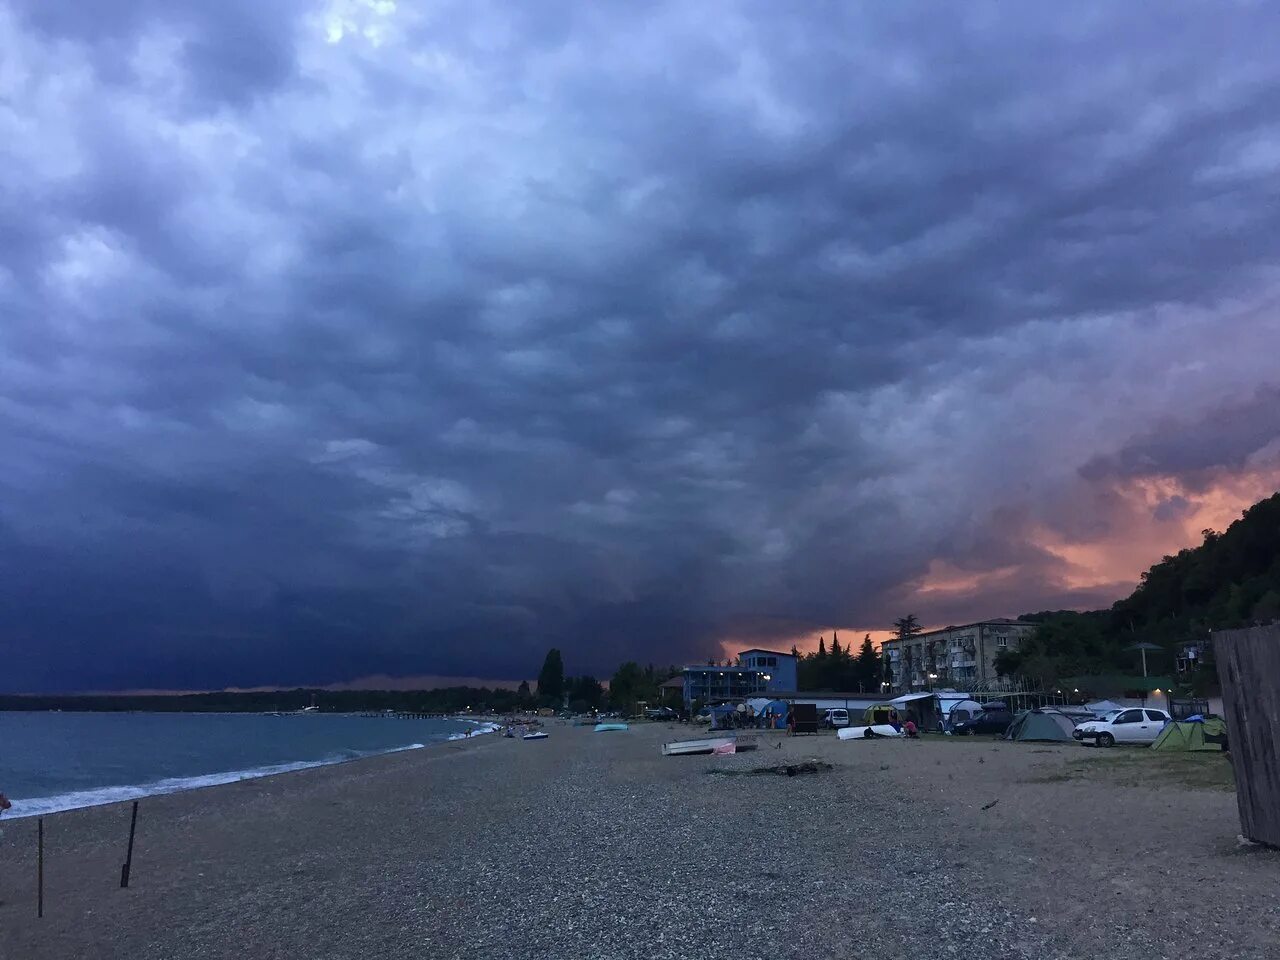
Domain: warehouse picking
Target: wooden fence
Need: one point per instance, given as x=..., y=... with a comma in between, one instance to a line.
x=1249, y=669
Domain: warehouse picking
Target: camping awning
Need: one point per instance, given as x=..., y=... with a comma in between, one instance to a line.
x=911, y=698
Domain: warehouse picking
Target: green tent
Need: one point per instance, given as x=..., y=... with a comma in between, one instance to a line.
x=1197, y=735
x=1040, y=725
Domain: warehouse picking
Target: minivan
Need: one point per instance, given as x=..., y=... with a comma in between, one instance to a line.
x=838, y=717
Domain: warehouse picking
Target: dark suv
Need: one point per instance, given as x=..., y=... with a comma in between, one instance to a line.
x=988, y=721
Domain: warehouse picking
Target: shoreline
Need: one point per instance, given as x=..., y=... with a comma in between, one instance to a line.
x=106, y=795
x=590, y=845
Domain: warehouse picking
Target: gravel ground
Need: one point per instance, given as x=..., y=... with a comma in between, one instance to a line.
x=594, y=846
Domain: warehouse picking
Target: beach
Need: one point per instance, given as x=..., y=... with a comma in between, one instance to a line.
x=596, y=846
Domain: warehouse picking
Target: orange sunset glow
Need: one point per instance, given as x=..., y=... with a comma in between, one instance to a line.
x=1136, y=537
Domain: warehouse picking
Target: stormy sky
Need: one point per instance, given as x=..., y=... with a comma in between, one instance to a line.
x=356, y=337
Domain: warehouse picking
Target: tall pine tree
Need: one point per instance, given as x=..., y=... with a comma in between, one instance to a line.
x=867, y=667
x=551, y=678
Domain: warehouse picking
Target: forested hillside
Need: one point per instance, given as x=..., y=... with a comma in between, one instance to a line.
x=1231, y=580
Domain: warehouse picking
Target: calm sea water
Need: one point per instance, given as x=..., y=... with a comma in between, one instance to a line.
x=58, y=761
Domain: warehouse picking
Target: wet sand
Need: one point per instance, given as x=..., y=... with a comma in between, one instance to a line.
x=593, y=845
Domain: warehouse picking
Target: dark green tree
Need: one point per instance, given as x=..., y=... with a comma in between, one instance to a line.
x=906, y=627
x=551, y=678
x=523, y=690
x=867, y=666
x=630, y=685
x=585, y=693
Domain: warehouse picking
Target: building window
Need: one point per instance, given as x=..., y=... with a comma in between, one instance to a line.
x=1002, y=641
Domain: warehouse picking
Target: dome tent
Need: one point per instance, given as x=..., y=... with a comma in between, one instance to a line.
x=1192, y=735
x=1040, y=725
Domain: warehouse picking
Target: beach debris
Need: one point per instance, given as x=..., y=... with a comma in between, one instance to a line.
x=988, y=806
x=39, y=867
x=808, y=766
x=127, y=866
x=795, y=769
x=780, y=770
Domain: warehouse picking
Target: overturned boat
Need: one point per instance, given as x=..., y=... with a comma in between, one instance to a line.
x=872, y=732
x=680, y=748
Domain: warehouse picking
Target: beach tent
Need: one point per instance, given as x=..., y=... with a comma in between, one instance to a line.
x=1189, y=735
x=879, y=713
x=964, y=710
x=921, y=707
x=775, y=710
x=1040, y=725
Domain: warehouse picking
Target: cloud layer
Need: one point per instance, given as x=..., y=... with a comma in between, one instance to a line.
x=364, y=337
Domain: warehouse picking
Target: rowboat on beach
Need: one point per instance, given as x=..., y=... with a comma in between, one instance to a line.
x=872, y=732
x=680, y=748
x=534, y=735
x=606, y=727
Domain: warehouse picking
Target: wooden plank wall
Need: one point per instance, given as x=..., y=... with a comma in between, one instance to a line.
x=1249, y=669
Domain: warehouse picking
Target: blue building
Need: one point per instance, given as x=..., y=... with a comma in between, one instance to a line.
x=779, y=669
x=757, y=672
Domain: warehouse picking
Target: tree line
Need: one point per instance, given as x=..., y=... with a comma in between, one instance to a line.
x=630, y=685
x=838, y=668
x=1232, y=579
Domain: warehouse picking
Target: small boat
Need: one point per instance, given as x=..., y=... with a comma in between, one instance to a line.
x=534, y=735
x=868, y=733
x=680, y=748
x=606, y=727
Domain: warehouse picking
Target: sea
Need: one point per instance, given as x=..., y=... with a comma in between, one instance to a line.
x=55, y=761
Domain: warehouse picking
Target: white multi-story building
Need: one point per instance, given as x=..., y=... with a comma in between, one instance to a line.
x=953, y=656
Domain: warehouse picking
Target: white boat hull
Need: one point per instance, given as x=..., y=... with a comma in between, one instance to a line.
x=860, y=733
x=681, y=748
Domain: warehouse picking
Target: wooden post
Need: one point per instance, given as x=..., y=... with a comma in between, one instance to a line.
x=128, y=857
x=1249, y=670
x=40, y=866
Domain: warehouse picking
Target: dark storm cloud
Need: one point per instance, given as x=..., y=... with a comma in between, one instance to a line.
x=1223, y=439
x=362, y=337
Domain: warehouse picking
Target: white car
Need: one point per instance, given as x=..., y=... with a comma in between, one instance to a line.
x=837, y=718
x=1135, y=725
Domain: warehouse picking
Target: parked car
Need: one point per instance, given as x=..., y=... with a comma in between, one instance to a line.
x=1134, y=725
x=839, y=717
x=988, y=721
x=661, y=713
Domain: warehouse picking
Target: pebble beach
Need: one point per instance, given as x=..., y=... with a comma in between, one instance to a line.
x=591, y=845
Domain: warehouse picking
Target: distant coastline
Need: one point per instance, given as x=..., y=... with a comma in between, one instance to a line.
x=443, y=702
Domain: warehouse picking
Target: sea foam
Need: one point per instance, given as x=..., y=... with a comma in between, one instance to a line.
x=39, y=806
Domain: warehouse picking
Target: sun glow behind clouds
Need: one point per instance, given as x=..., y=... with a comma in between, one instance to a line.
x=1165, y=514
